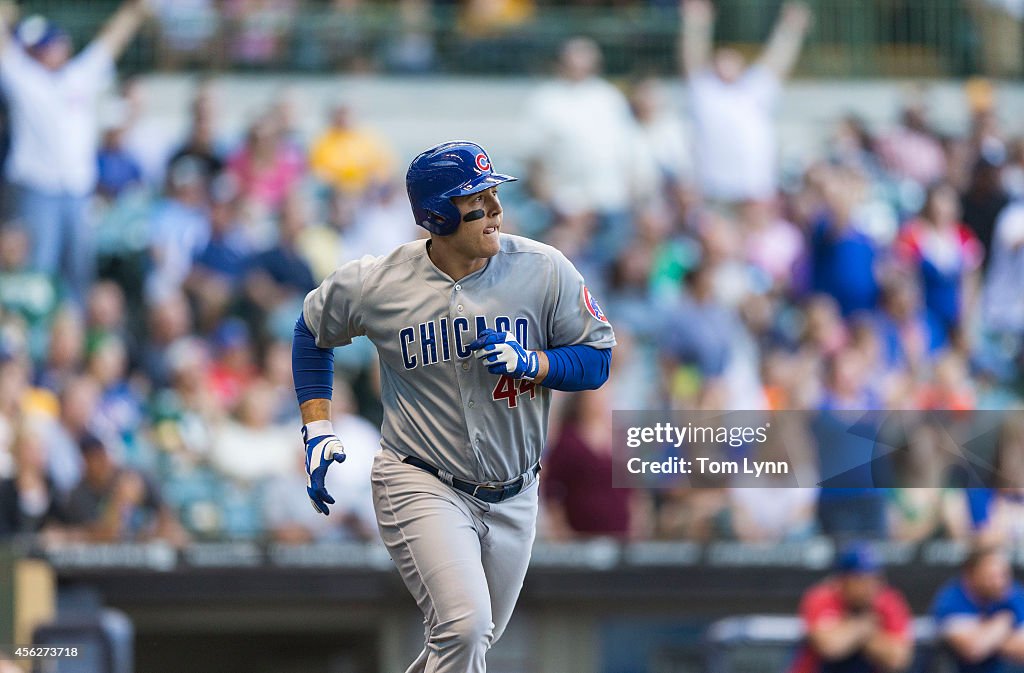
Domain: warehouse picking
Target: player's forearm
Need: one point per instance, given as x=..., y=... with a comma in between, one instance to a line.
x=574, y=368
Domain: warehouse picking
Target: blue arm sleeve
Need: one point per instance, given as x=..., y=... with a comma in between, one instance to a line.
x=574, y=368
x=312, y=366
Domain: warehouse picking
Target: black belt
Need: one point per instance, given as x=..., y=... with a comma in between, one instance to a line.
x=490, y=492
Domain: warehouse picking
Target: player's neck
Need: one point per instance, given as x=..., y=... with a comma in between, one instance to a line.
x=451, y=262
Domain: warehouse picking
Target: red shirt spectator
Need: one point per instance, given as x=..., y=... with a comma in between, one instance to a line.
x=854, y=621
x=577, y=483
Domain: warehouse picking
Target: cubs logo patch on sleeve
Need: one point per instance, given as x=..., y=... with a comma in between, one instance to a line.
x=592, y=306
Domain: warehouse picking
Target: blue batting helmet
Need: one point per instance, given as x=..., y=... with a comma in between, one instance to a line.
x=456, y=168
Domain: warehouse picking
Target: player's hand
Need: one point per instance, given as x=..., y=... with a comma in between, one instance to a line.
x=503, y=355
x=322, y=448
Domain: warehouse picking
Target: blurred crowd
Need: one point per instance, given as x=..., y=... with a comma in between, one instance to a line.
x=421, y=36
x=145, y=383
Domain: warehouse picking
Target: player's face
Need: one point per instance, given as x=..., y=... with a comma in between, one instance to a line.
x=477, y=238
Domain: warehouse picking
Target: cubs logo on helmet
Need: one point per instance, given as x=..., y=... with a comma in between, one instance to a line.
x=482, y=162
x=592, y=306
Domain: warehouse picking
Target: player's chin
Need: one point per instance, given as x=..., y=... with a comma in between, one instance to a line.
x=489, y=239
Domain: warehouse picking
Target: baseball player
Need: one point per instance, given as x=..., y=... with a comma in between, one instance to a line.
x=473, y=328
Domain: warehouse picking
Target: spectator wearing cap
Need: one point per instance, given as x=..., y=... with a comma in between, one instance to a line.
x=234, y=368
x=113, y=503
x=733, y=106
x=980, y=614
x=52, y=163
x=854, y=620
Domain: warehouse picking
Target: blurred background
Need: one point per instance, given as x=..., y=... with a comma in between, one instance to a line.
x=779, y=206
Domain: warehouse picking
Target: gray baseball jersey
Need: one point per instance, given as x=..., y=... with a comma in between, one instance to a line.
x=440, y=403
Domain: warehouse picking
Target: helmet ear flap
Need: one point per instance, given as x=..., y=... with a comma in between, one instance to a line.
x=443, y=218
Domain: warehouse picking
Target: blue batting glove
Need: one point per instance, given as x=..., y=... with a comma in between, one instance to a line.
x=504, y=356
x=322, y=448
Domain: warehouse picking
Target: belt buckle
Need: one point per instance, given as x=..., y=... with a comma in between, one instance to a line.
x=489, y=485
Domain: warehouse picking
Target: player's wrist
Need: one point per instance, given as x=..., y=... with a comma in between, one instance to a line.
x=542, y=366
x=317, y=429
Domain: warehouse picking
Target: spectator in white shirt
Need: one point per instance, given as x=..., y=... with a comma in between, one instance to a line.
x=662, y=144
x=1002, y=305
x=579, y=145
x=53, y=99
x=733, y=106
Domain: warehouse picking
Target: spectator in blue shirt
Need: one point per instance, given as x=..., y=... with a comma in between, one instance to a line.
x=842, y=254
x=980, y=615
x=117, y=169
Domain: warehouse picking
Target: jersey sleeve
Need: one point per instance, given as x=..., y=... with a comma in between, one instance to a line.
x=576, y=318
x=334, y=310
